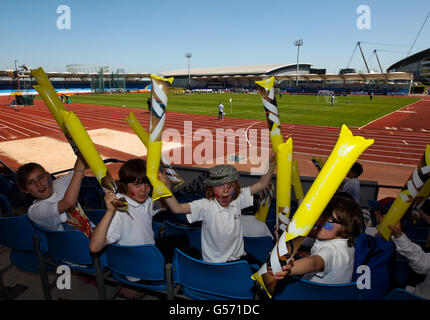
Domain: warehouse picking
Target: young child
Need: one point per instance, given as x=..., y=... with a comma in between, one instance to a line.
x=418, y=260
x=220, y=211
x=352, y=185
x=55, y=206
x=331, y=259
x=135, y=226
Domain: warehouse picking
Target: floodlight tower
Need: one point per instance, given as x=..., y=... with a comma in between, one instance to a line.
x=298, y=43
x=188, y=55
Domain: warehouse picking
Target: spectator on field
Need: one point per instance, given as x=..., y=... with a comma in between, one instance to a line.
x=220, y=111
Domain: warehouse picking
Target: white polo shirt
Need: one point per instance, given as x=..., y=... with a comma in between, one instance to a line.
x=124, y=230
x=252, y=227
x=222, y=235
x=45, y=212
x=338, y=260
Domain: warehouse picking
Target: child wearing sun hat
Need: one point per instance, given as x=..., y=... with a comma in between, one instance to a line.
x=220, y=211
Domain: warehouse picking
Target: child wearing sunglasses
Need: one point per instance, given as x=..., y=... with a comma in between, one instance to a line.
x=331, y=259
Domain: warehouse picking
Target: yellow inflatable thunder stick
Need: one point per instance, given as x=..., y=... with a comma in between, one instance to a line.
x=268, y=97
x=160, y=90
x=416, y=187
x=89, y=152
x=284, y=159
x=144, y=137
x=52, y=101
x=266, y=197
x=297, y=184
x=346, y=151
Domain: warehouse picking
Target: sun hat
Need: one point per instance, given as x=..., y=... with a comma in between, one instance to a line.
x=221, y=174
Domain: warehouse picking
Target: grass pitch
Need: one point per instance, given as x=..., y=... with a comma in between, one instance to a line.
x=354, y=111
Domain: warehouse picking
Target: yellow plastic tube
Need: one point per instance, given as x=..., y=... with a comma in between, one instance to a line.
x=83, y=141
x=297, y=184
x=266, y=199
x=152, y=167
x=138, y=129
x=283, y=183
x=268, y=98
x=173, y=176
x=416, y=187
x=346, y=151
x=49, y=96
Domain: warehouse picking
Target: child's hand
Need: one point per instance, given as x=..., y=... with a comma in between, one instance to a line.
x=110, y=199
x=164, y=179
x=286, y=270
x=397, y=230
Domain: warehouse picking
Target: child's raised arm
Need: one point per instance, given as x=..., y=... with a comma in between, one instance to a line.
x=98, y=238
x=267, y=177
x=72, y=193
x=304, y=265
x=174, y=205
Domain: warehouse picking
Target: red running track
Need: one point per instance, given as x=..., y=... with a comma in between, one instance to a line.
x=400, y=137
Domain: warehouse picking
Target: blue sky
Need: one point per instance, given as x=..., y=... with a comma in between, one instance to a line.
x=152, y=36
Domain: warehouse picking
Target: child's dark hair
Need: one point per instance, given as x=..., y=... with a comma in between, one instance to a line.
x=132, y=171
x=210, y=194
x=24, y=171
x=349, y=214
x=357, y=168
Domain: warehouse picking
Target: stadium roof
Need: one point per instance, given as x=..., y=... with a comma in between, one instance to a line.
x=413, y=58
x=228, y=71
x=71, y=75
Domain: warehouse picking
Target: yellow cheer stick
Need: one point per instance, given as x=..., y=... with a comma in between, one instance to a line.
x=53, y=102
x=266, y=199
x=346, y=151
x=268, y=98
x=416, y=187
x=86, y=147
x=284, y=159
x=297, y=184
x=152, y=167
x=174, y=177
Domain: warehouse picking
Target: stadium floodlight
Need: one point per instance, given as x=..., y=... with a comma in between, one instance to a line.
x=298, y=43
x=188, y=56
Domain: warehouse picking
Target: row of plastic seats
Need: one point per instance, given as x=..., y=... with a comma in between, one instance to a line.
x=36, y=250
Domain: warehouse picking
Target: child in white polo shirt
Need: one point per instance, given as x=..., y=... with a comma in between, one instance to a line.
x=331, y=260
x=220, y=211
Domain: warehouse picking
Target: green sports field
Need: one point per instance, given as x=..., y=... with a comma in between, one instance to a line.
x=355, y=111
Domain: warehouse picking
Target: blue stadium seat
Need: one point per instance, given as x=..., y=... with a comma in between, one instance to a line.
x=193, y=233
x=71, y=248
x=95, y=215
x=17, y=234
x=144, y=262
x=5, y=208
x=259, y=247
x=211, y=281
x=401, y=294
x=295, y=288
